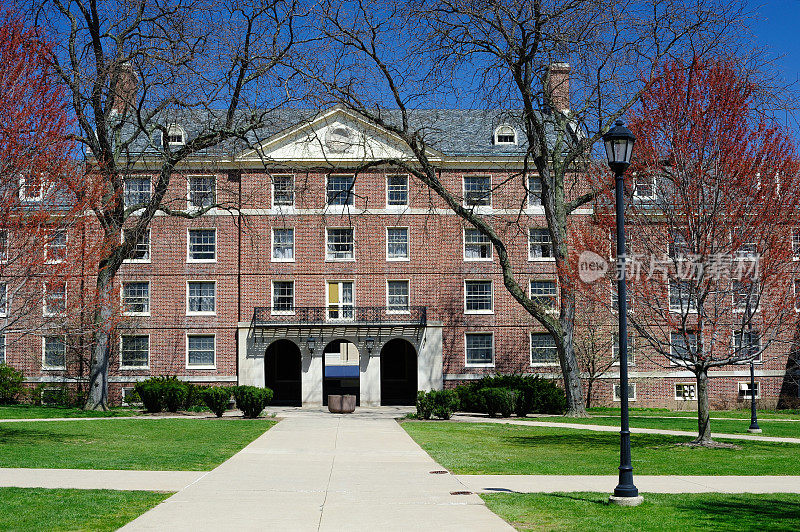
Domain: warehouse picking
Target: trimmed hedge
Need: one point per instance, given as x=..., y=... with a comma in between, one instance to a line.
x=532, y=394
x=499, y=401
x=160, y=393
x=217, y=398
x=11, y=387
x=252, y=400
x=438, y=403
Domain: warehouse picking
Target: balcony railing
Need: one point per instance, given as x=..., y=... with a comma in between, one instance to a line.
x=347, y=314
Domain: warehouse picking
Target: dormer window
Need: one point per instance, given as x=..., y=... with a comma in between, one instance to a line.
x=505, y=134
x=31, y=188
x=176, y=136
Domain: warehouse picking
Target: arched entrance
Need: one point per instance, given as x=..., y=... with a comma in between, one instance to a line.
x=282, y=365
x=340, y=370
x=398, y=373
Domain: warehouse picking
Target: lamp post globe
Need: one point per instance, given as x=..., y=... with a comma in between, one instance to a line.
x=619, y=143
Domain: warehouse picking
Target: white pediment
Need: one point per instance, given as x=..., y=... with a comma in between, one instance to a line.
x=334, y=137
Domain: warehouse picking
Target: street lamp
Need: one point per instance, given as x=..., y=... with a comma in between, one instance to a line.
x=619, y=147
x=311, y=343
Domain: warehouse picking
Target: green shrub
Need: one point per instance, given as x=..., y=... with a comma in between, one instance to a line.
x=149, y=391
x=194, y=397
x=499, y=401
x=534, y=394
x=11, y=387
x=444, y=403
x=173, y=393
x=469, y=400
x=424, y=405
x=217, y=398
x=549, y=398
x=251, y=400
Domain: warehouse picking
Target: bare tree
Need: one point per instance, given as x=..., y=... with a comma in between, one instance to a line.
x=385, y=64
x=151, y=85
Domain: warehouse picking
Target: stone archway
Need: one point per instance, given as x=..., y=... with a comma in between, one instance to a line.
x=341, y=370
x=282, y=368
x=398, y=373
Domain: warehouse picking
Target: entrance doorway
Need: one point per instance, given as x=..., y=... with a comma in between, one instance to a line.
x=398, y=373
x=341, y=370
x=282, y=365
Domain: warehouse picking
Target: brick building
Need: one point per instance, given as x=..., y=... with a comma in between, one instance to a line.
x=312, y=279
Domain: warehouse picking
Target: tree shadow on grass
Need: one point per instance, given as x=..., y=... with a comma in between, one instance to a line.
x=27, y=436
x=599, y=499
x=743, y=511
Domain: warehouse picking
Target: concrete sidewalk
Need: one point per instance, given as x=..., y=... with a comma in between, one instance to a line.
x=608, y=428
x=98, y=479
x=645, y=483
x=325, y=472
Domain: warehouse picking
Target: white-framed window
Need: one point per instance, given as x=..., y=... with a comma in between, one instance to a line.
x=478, y=297
x=397, y=297
x=202, y=245
x=55, y=249
x=340, y=298
x=543, y=350
x=477, y=190
x=5, y=242
x=746, y=248
x=55, y=297
x=134, y=351
x=136, y=298
x=397, y=243
x=685, y=391
x=544, y=292
x=54, y=352
x=631, y=392
x=683, y=347
x=283, y=297
x=505, y=134
x=141, y=251
x=201, y=297
x=176, y=136
x=745, y=295
x=746, y=393
x=615, y=298
x=128, y=397
x=283, y=190
x=3, y=299
x=534, y=191
x=540, y=245
x=615, y=349
x=202, y=191
x=282, y=244
x=396, y=190
x=682, y=297
x=477, y=246
x=644, y=187
x=339, y=189
x=479, y=349
x=138, y=191
x=679, y=247
x=31, y=188
x=201, y=350
x=339, y=243
x=2, y=348
x=796, y=243
x=747, y=344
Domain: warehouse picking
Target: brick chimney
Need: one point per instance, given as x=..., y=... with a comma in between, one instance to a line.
x=558, y=85
x=126, y=83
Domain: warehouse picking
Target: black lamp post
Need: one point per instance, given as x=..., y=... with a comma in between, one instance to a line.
x=754, y=428
x=619, y=147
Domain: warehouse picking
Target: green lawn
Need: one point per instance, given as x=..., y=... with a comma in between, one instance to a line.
x=63, y=509
x=154, y=444
x=790, y=429
x=41, y=412
x=667, y=512
x=665, y=412
x=483, y=448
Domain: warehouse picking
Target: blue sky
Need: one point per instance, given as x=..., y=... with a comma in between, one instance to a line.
x=777, y=26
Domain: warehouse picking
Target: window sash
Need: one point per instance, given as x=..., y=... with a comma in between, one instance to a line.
x=283, y=190
x=137, y=191
x=478, y=296
x=477, y=246
x=136, y=297
x=340, y=245
x=283, y=244
x=141, y=251
x=202, y=191
x=398, y=296
x=202, y=296
x=397, y=190
x=680, y=297
x=55, y=298
x=631, y=391
x=202, y=244
x=752, y=344
x=543, y=349
x=534, y=191
x=478, y=190
x=397, y=242
x=686, y=391
x=55, y=249
x=340, y=190
x=2, y=348
x=544, y=293
x=55, y=350
x=679, y=348
x=135, y=352
x=539, y=243
x=479, y=349
x=283, y=296
x=201, y=350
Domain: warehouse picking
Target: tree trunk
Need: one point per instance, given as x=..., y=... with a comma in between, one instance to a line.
x=703, y=420
x=589, y=386
x=97, y=398
x=571, y=371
